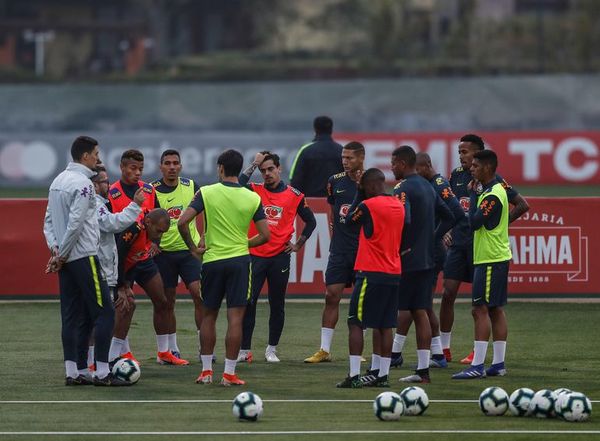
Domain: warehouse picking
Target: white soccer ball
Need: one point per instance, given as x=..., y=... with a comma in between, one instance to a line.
x=561, y=391
x=415, y=400
x=388, y=406
x=493, y=401
x=518, y=402
x=127, y=370
x=542, y=404
x=247, y=406
x=574, y=407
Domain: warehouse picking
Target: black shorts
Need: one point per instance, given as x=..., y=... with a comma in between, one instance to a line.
x=374, y=302
x=490, y=284
x=340, y=269
x=459, y=263
x=175, y=264
x=229, y=279
x=142, y=272
x=414, y=291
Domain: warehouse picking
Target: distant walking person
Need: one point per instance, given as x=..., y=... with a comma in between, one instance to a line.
x=72, y=234
x=488, y=217
x=316, y=161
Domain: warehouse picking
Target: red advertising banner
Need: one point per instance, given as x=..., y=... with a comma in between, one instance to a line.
x=524, y=157
x=552, y=250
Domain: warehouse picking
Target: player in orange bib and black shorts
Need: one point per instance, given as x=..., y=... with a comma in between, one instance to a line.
x=271, y=261
x=142, y=268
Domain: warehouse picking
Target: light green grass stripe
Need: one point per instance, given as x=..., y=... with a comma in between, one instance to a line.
x=316, y=432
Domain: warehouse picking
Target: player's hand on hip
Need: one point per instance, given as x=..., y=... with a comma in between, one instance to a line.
x=154, y=249
x=139, y=197
x=447, y=239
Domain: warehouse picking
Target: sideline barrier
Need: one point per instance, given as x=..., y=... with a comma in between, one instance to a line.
x=552, y=250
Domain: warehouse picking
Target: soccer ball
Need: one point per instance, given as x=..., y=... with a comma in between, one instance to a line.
x=558, y=404
x=247, y=406
x=415, y=400
x=542, y=404
x=574, y=407
x=127, y=370
x=519, y=400
x=561, y=391
x=493, y=401
x=388, y=406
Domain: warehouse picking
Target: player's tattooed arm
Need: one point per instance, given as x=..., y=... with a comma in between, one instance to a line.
x=183, y=225
x=520, y=207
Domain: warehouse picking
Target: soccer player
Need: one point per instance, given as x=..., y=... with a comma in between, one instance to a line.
x=341, y=190
x=488, y=218
x=140, y=263
x=111, y=224
x=316, y=161
x=72, y=234
x=441, y=186
x=459, y=261
x=422, y=205
x=226, y=270
x=174, y=194
x=271, y=261
x=374, y=300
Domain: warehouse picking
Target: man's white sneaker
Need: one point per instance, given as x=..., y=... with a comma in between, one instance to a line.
x=271, y=357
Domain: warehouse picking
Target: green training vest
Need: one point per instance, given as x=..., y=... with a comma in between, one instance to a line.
x=175, y=203
x=228, y=212
x=492, y=245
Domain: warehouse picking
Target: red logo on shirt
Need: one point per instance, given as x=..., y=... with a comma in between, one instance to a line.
x=273, y=212
x=465, y=203
x=175, y=212
x=344, y=209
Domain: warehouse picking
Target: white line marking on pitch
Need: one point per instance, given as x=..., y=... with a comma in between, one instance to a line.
x=318, y=432
x=207, y=401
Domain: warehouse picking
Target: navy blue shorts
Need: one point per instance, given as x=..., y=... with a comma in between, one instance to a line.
x=490, y=284
x=459, y=263
x=175, y=264
x=142, y=272
x=414, y=291
x=340, y=269
x=229, y=279
x=374, y=302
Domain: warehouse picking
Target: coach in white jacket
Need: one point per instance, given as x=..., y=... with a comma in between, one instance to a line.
x=72, y=234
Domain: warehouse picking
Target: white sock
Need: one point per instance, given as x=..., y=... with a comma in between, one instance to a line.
x=71, y=369
x=375, y=362
x=270, y=349
x=116, y=348
x=162, y=341
x=326, y=337
x=499, y=351
x=90, y=360
x=384, y=366
x=206, y=362
x=354, y=365
x=423, y=358
x=101, y=369
x=126, y=348
x=480, y=351
x=399, y=340
x=436, y=345
x=229, y=366
x=446, y=337
x=84, y=372
x=173, y=342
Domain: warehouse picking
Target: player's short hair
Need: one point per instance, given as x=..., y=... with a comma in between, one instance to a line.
x=474, y=139
x=232, y=162
x=487, y=157
x=423, y=158
x=355, y=146
x=157, y=214
x=323, y=124
x=372, y=175
x=271, y=157
x=407, y=154
x=82, y=145
x=132, y=155
x=169, y=152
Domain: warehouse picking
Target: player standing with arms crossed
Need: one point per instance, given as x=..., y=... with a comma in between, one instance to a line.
x=140, y=264
x=226, y=270
x=488, y=218
x=341, y=190
x=374, y=300
x=459, y=261
x=174, y=194
x=271, y=261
